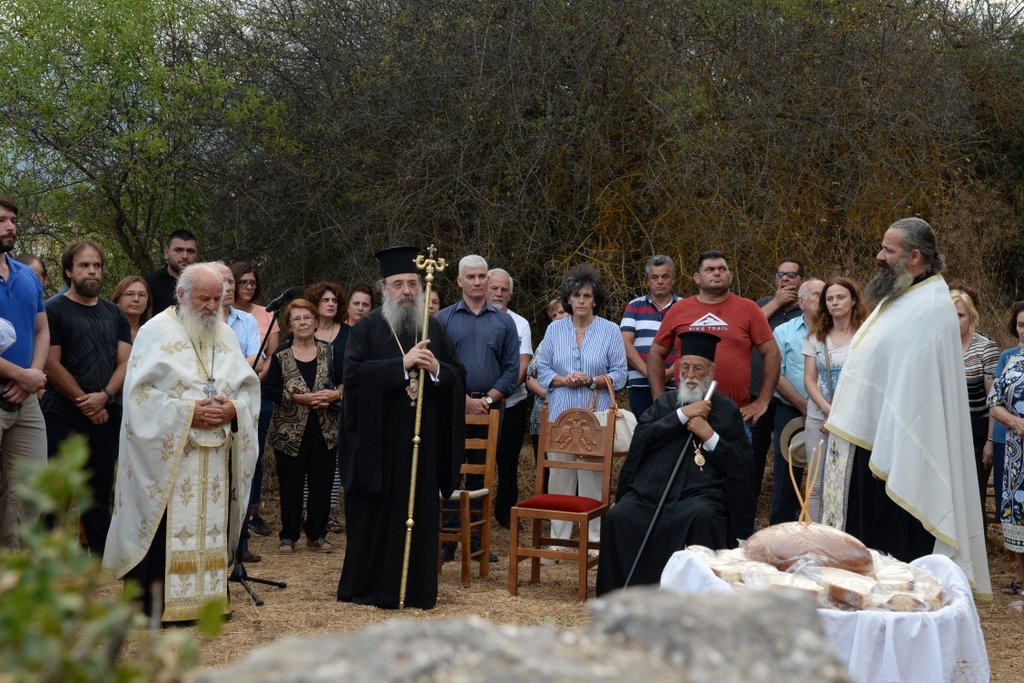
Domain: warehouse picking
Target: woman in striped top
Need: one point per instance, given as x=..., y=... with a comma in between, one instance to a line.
x=980, y=358
x=579, y=355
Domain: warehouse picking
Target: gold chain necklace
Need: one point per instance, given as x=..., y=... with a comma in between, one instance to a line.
x=413, y=388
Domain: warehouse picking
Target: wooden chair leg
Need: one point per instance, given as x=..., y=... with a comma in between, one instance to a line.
x=583, y=557
x=513, y=555
x=485, y=537
x=535, y=561
x=466, y=546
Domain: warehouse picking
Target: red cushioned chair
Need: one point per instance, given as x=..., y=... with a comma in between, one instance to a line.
x=576, y=432
x=459, y=501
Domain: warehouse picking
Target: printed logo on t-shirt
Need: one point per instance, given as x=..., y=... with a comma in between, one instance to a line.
x=709, y=322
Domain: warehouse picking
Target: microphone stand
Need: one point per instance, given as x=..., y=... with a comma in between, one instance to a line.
x=238, y=573
x=664, y=494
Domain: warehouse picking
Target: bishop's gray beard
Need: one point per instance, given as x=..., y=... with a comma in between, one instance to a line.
x=891, y=281
x=200, y=326
x=687, y=395
x=404, y=314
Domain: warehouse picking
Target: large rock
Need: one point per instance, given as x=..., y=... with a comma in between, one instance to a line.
x=635, y=635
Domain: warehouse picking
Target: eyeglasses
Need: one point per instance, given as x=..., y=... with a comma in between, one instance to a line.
x=247, y=283
x=577, y=361
x=302, y=319
x=787, y=275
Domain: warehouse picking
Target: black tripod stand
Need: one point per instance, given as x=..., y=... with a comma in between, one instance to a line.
x=238, y=574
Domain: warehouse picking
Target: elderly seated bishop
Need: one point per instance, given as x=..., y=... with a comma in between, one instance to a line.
x=710, y=499
x=188, y=451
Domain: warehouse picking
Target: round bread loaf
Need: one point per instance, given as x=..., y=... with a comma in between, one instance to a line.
x=781, y=545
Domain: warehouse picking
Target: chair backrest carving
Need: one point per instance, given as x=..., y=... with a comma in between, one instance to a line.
x=576, y=432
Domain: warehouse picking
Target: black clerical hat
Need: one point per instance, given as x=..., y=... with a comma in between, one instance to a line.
x=698, y=344
x=396, y=260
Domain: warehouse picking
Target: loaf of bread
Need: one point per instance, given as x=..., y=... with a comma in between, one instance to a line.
x=785, y=580
x=782, y=545
x=848, y=588
x=895, y=575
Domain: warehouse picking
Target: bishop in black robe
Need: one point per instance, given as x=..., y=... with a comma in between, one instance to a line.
x=707, y=506
x=378, y=425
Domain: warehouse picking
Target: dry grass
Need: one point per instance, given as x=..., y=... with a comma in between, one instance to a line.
x=308, y=605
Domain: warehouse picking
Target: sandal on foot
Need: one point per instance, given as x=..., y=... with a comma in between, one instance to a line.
x=321, y=544
x=334, y=526
x=1015, y=587
x=286, y=547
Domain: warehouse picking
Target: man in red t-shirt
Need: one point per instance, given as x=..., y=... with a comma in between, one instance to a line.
x=737, y=321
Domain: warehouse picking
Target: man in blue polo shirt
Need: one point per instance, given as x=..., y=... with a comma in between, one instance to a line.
x=640, y=325
x=487, y=342
x=22, y=429
x=791, y=397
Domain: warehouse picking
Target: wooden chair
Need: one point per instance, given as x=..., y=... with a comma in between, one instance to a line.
x=459, y=501
x=576, y=432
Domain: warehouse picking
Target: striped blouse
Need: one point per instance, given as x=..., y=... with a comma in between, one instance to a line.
x=602, y=354
x=980, y=360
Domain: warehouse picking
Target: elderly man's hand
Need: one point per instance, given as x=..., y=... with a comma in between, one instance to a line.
x=697, y=409
x=700, y=428
x=214, y=412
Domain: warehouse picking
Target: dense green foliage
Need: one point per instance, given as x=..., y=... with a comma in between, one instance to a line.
x=305, y=134
x=53, y=627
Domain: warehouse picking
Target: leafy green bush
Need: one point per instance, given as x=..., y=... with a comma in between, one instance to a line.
x=53, y=626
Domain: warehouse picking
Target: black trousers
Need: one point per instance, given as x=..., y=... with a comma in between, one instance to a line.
x=510, y=446
x=103, y=445
x=874, y=518
x=760, y=441
x=316, y=462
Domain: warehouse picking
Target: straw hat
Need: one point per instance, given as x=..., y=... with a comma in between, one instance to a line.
x=792, y=442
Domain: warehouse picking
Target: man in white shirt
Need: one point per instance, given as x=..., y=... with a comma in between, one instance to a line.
x=517, y=408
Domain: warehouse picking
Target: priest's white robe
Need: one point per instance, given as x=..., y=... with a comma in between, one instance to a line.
x=199, y=477
x=902, y=396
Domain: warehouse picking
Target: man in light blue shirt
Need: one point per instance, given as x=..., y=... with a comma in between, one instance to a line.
x=791, y=397
x=243, y=324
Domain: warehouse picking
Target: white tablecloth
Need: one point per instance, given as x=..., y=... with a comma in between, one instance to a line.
x=884, y=647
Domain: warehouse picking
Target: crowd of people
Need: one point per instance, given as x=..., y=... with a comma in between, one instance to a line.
x=182, y=382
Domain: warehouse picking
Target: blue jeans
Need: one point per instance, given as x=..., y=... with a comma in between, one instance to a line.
x=266, y=410
x=640, y=400
x=784, y=507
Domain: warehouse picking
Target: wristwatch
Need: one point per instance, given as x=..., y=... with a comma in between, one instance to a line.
x=110, y=396
x=488, y=400
x=593, y=383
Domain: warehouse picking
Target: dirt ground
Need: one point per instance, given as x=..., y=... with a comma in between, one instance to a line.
x=308, y=605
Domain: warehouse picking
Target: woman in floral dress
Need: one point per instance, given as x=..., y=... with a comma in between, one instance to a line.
x=1006, y=402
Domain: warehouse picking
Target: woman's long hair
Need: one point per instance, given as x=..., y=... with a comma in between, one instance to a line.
x=824, y=323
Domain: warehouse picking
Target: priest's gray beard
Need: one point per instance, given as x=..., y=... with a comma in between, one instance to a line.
x=697, y=390
x=404, y=314
x=891, y=281
x=200, y=326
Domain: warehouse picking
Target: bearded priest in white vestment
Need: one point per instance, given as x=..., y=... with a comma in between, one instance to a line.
x=188, y=451
x=899, y=472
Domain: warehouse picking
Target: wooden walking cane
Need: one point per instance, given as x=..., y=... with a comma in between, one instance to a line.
x=430, y=265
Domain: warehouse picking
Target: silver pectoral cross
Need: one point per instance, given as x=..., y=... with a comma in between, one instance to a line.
x=209, y=389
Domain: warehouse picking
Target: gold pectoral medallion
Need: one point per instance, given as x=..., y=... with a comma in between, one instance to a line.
x=698, y=458
x=413, y=387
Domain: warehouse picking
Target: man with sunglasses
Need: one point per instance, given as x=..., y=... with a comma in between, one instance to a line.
x=779, y=308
